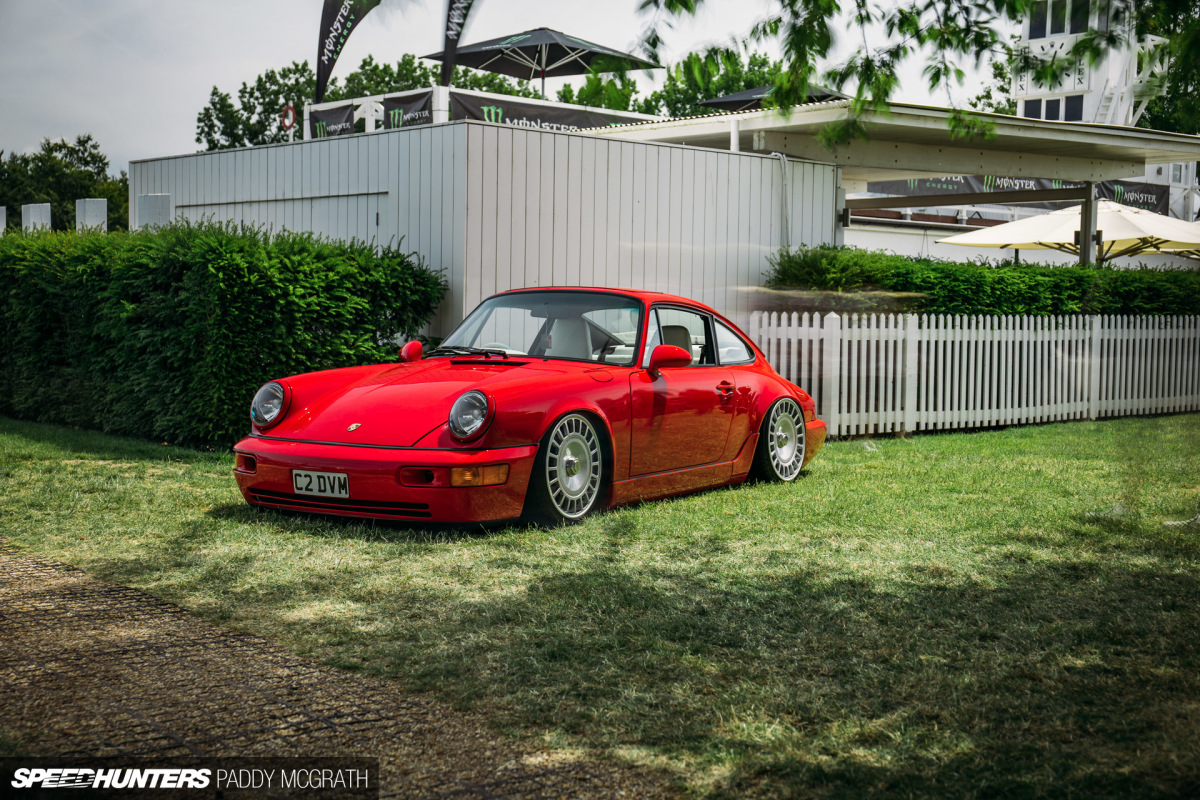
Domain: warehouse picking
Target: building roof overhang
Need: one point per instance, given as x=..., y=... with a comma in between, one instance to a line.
x=914, y=140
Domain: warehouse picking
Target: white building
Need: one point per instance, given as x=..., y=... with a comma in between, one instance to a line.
x=1113, y=92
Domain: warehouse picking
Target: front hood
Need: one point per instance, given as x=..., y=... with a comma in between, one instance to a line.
x=397, y=407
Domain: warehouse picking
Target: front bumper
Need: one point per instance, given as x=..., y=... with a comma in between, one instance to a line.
x=374, y=480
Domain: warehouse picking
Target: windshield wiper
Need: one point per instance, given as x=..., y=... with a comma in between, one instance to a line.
x=460, y=350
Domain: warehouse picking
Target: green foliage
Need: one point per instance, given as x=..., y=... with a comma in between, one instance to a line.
x=704, y=75
x=1179, y=21
x=951, y=287
x=255, y=119
x=944, y=36
x=167, y=334
x=996, y=96
x=60, y=173
x=618, y=93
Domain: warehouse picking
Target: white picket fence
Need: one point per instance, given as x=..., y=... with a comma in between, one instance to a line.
x=885, y=373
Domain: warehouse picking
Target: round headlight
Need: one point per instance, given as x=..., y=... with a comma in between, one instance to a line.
x=267, y=407
x=468, y=414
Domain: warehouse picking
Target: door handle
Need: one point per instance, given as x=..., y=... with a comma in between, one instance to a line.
x=725, y=388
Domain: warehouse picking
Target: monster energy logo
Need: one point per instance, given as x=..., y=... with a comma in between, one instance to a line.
x=514, y=39
x=912, y=184
x=493, y=113
x=456, y=17
x=320, y=126
x=989, y=183
x=1119, y=193
x=396, y=117
x=338, y=33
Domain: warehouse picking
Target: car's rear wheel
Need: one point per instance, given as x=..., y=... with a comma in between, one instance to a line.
x=568, y=476
x=781, y=442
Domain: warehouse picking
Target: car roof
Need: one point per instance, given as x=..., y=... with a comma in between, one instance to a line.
x=644, y=295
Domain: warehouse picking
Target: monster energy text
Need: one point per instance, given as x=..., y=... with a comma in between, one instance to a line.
x=337, y=37
x=457, y=16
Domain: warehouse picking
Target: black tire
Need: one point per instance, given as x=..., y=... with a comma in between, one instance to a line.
x=569, y=475
x=781, y=443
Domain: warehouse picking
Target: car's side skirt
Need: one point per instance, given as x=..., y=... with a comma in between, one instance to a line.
x=682, y=481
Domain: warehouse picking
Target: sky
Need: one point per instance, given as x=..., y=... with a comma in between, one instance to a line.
x=135, y=73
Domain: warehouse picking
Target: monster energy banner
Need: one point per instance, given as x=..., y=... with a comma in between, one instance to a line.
x=1139, y=195
x=338, y=20
x=528, y=115
x=405, y=112
x=332, y=122
x=456, y=20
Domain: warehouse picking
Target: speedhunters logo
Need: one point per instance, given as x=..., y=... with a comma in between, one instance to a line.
x=226, y=778
x=77, y=778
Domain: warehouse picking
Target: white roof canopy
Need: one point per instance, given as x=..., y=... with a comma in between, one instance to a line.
x=913, y=140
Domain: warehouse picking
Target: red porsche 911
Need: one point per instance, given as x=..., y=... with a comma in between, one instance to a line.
x=545, y=404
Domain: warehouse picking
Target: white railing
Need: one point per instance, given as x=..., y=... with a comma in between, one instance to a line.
x=886, y=373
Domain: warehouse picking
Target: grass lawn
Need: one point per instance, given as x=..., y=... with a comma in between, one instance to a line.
x=995, y=614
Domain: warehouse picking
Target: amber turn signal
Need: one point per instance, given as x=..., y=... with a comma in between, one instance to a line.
x=492, y=475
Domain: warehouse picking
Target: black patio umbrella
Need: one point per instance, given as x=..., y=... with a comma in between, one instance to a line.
x=542, y=53
x=753, y=98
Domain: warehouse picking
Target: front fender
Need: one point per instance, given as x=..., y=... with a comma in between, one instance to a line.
x=523, y=415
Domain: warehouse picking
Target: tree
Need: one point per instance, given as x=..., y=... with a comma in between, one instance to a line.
x=619, y=94
x=60, y=173
x=996, y=97
x=255, y=119
x=942, y=33
x=702, y=76
x=1178, y=107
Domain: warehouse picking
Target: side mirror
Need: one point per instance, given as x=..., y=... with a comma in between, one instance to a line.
x=668, y=355
x=411, y=351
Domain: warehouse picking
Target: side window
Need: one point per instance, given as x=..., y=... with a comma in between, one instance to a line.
x=731, y=348
x=653, y=338
x=690, y=331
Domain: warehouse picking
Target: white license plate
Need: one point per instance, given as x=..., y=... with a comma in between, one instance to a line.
x=323, y=484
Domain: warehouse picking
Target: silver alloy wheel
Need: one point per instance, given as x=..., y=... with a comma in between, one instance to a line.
x=786, y=439
x=573, y=466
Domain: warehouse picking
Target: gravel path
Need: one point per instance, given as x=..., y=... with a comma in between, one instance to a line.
x=89, y=669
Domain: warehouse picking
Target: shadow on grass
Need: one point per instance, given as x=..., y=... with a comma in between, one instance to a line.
x=74, y=441
x=1073, y=677
x=1060, y=679
x=343, y=527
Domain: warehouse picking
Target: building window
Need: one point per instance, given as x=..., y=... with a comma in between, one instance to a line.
x=1073, y=108
x=1058, y=16
x=1037, y=20
x=1033, y=109
x=1177, y=173
x=1103, y=12
x=1079, y=15
x=1052, y=108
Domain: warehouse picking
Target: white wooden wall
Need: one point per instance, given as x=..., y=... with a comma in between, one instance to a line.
x=559, y=209
x=885, y=373
x=496, y=207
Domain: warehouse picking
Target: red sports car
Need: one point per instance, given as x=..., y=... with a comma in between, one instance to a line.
x=545, y=404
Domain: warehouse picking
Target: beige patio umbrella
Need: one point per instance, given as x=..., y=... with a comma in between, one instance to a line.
x=1124, y=231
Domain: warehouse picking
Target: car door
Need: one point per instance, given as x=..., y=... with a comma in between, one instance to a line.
x=680, y=416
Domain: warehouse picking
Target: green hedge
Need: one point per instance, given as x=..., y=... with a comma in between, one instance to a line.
x=950, y=287
x=167, y=334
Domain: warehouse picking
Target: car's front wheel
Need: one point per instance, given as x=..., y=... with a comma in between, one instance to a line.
x=781, y=442
x=568, y=476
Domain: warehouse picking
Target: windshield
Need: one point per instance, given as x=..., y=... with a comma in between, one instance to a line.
x=578, y=326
